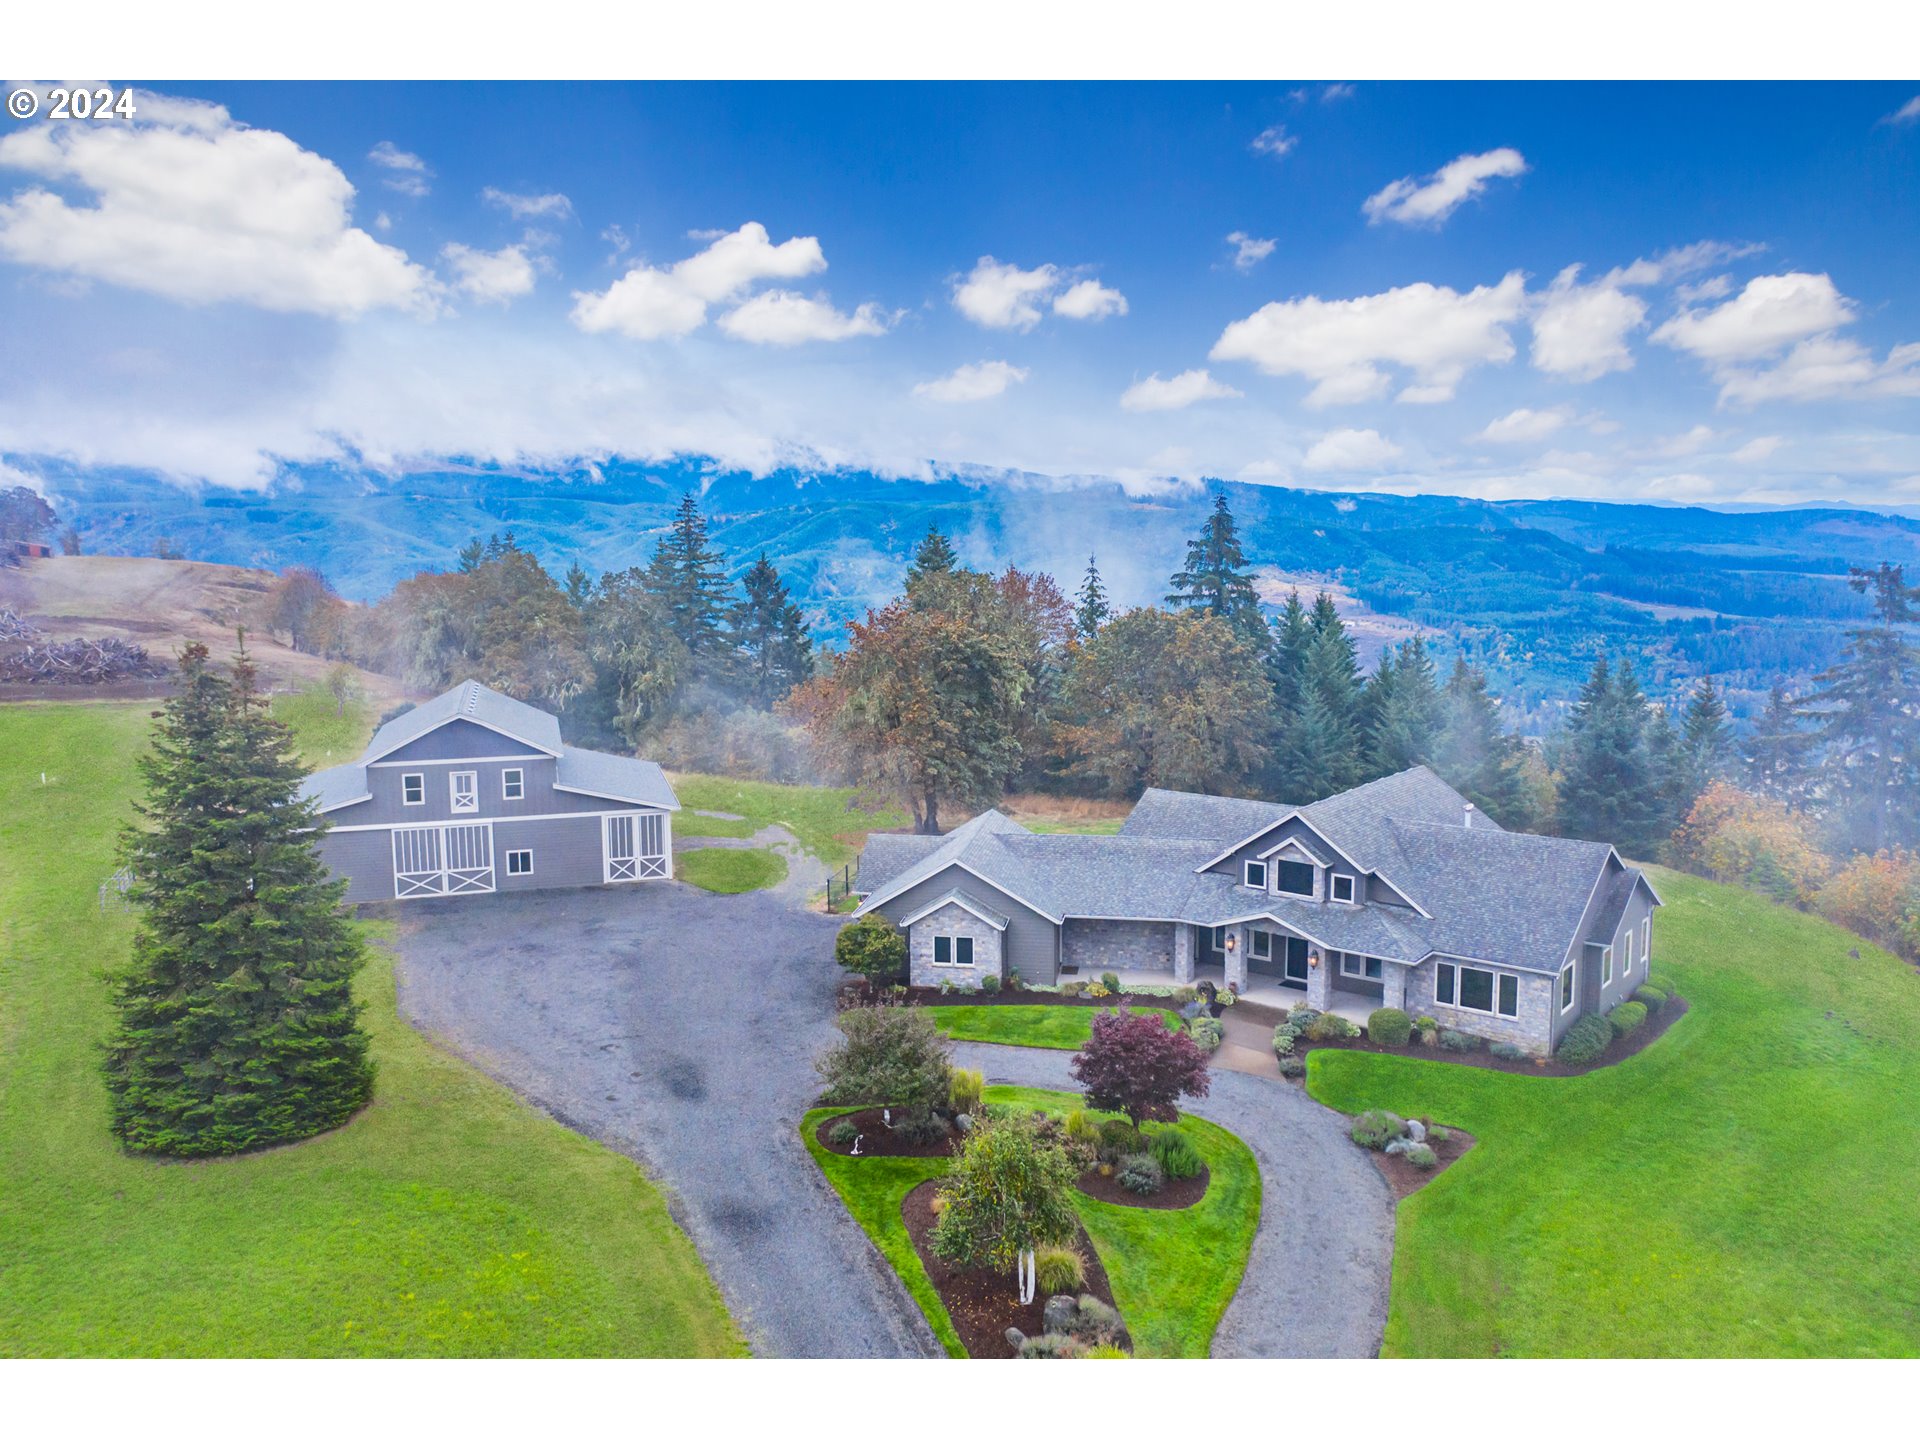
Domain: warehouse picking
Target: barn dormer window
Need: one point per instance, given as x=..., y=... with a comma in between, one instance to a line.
x=1256, y=875
x=1293, y=877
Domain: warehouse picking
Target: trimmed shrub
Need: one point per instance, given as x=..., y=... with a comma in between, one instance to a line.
x=1331, y=1027
x=1375, y=1128
x=1389, y=1026
x=1095, y=1322
x=1421, y=1157
x=964, y=1091
x=1118, y=1138
x=1627, y=1018
x=1178, y=1159
x=1082, y=1128
x=1438, y=1134
x=1073, y=989
x=1283, y=1038
x=1292, y=1067
x=1058, y=1270
x=1302, y=1015
x=872, y=948
x=1586, y=1042
x=1206, y=1032
x=842, y=1132
x=923, y=1127
x=1184, y=995
x=1503, y=1050
x=1651, y=997
x=1110, y=980
x=1098, y=991
x=1141, y=1174
x=1050, y=1347
x=890, y=1055
x=990, y=984
x=1459, y=1041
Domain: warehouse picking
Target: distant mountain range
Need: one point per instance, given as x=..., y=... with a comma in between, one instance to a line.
x=1533, y=589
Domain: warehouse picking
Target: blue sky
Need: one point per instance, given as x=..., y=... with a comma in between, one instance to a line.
x=1024, y=277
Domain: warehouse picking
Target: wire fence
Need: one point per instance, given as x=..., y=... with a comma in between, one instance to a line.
x=113, y=891
x=840, y=887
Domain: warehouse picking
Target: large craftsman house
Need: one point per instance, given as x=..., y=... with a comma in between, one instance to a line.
x=1395, y=893
x=474, y=792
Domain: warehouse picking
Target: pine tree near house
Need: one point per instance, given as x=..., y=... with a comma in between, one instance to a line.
x=579, y=586
x=235, y=1024
x=1866, y=715
x=1287, y=656
x=1707, y=738
x=1321, y=749
x=1403, y=710
x=687, y=579
x=1474, y=753
x=1093, y=610
x=1617, y=781
x=771, y=634
x=1774, y=754
x=1214, y=578
x=932, y=556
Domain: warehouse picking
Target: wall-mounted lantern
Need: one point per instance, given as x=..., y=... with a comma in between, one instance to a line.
x=1232, y=942
x=1313, y=959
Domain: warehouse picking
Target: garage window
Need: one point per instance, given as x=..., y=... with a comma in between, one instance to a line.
x=413, y=789
x=953, y=950
x=513, y=784
x=519, y=862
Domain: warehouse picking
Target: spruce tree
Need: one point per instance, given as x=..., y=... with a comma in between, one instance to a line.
x=1616, y=783
x=1706, y=738
x=579, y=586
x=1774, y=755
x=775, y=650
x=1093, y=610
x=1287, y=659
x=1403, y=710
x=235, y=1025
x=1474, y=753
x=932, y=556
x=1214, y=578
x=1866, y=714
x=688, y=581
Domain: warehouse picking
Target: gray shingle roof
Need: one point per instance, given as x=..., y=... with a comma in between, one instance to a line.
x=1507, y=897
x=469, y=700
x=616, y=777
x=336, y=787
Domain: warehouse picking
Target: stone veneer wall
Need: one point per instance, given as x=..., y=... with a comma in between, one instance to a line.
x=1097, y=945
x=1531, y=1029
x=951, y=919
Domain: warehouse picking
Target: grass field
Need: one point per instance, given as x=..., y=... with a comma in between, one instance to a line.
x=1173, y=1271
x=826, y=820
x=448, y=1219
x=1744, y=1186
x=1046, y=1027
x=327, y=735
x=730, y=872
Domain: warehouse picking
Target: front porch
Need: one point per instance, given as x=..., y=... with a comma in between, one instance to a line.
x=1260, y=989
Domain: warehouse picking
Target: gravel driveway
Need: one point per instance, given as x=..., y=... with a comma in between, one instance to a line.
x=1316, y=1281
x=680, y=1028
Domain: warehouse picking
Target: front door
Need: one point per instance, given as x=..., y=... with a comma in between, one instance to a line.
x=1296, y=972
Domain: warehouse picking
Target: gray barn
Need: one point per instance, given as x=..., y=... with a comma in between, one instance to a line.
x=474, y=792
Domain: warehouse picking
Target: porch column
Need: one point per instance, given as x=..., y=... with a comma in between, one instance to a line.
x=1393, y=986
x=1182, y=954
x=1319, y=978
x=1237, y=959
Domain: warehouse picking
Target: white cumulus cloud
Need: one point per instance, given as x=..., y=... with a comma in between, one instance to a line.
x=410, y=173
x=529, y=207
x=1005, y=297
x=1089, y=300
x=1249, y=250
x=1580, y=331
x=781, y=317
x=1429, y=200
x=1433, y=331
x=1519, y=427
x=1274, y=141
x=1350, y=450
x=495, y=276
x=651, y=303
x=187, y=204
x=1187, y=388
x=980, y=381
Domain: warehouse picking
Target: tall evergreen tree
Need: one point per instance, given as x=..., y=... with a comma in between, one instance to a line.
x=235, y=1025
x=771, y=633
x=932, y=556
x=1321, y=741
x=1403, y=710
x=1706, y=738
x=1214, y=579
x=579, y=585
x=1292, y=633
x=472, y=555
x=1474, y=753
x=1616, y=784
x=1093, y=611
x=1866, y=713
x=688, y=581
x=1774, y=755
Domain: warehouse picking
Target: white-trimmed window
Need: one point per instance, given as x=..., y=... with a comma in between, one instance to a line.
x=1469, y=987
x=1341, y=889
x=1256, y=874
x=1606, y=966
x=413, y=789
x=463, y=790
x=953, y=950
x=513, y=784
x=1293, y=877
x=1360, y=967
x=1626, y=967
x=1646, y=941
x=1566, y=988
x=519, y=862
x=1262, y=941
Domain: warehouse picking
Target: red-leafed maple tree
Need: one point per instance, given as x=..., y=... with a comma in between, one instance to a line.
x=1134, y=1064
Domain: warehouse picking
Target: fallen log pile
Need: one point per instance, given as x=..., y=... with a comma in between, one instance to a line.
x=12, y=627
x=80, y=662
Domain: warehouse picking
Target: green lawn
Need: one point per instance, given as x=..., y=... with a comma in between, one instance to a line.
x=1109, y=826
x=1173, y=1271
x=827, y=820
x=326, y=734
x=448, y=1219
x=1745, y=1186
x=730, y=872
x=1046, y=1027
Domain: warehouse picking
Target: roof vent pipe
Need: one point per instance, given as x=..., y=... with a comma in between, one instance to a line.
x=1469, y=815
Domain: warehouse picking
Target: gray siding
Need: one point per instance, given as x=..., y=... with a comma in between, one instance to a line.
x=566, y=853
x=1032, y=944
x=1289, y=829
x=364, y=858
x=458, y=739
x=386, y=806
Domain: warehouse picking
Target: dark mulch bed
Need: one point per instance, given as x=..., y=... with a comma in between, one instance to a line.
x=877, y=1139
x=1405, y=1178
x=980, y=1303
x=1652, y=1030
x=1174, y=1195
x=920, y=995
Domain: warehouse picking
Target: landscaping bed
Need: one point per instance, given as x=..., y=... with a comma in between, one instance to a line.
x=983, y=1305
x=1172, y=1194
x=877, y=1138
x=1403, y=1177
x=928, y=995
